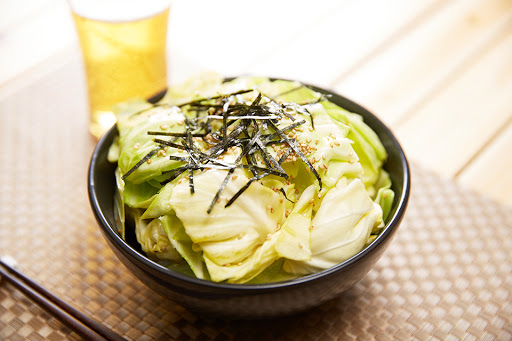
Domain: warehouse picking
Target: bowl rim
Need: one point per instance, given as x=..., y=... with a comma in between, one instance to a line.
x=134, y=255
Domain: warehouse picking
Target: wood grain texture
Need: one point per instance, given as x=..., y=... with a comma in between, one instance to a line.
x=406, y=75
x=337, y=44
x=448, y=130
x=489, y=172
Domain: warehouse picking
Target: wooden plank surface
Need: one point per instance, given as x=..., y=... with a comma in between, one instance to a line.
x=406, y=74
x=489, y=172
x=345, y=38
x=458, y=122
x=438, y=72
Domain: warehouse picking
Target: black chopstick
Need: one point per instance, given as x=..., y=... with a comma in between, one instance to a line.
x=78, y=321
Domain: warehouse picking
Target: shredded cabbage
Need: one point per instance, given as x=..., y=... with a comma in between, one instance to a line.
x=280, y=226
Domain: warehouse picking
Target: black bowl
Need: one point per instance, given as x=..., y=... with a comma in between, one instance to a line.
x=242, y=300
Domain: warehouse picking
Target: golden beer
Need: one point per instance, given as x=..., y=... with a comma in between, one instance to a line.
x=124, y=49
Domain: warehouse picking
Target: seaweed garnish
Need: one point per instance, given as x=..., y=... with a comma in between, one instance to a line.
x=222, y=186
x=141, y=161
x=241, y=190
x=284, y=193
x=297, y=151
x=169, y=144
x=248, y=128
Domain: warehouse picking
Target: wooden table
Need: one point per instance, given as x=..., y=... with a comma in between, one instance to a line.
x=438, y=72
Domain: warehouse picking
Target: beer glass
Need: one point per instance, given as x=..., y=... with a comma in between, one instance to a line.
x=123, y=44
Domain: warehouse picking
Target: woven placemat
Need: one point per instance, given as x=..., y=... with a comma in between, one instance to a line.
x=447, y=275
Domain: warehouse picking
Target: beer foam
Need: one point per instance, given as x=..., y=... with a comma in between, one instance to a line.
x=118, y=10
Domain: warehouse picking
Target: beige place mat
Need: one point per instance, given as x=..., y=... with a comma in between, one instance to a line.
x=447, y=275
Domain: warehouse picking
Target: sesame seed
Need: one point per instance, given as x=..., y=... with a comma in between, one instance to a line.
x=136, y=146
x=268, y=236
x=317, y=141
x=331, y=144
x=281, y=200
x=234, y=177
x=163, y=126
x=336, y=143
x=271, y=210
x=323, y=157
x=240, y=236
x=300, y=245
x=319, y=196
x=308, y=140
x=287, y=213
x=278, y=227
x=311, y=227
x=239, y=263
x=310, y=129
x=149, y=161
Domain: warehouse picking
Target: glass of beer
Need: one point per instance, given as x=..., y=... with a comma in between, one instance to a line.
x=123, y=43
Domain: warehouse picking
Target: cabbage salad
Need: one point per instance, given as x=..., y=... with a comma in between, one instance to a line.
x=248, y=181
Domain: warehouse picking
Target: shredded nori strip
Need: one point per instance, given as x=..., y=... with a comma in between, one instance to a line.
x=285, y=155
x=141, y=161
x=266, y=170
x=267, y=157
x=174, y=176
x=170, y=144
x=178, y=158
x=284, y=193
x=167, y=133
x=179, y=169
x=222, y=186
x=299, y=153
x=191, y=180
x=311, y=117
x=241, y=190
x=258, y=117
x=290, y=127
